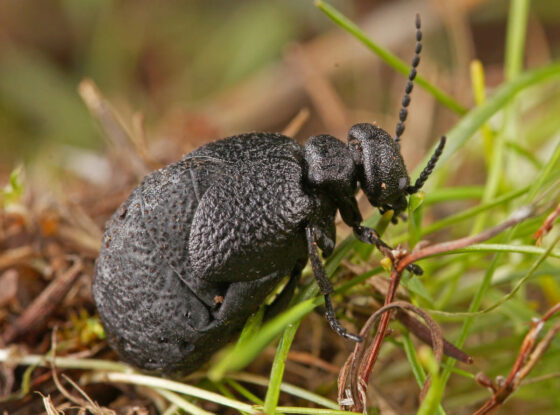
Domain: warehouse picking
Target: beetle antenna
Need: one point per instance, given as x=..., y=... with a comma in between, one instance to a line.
x=409, y=85
x=428, y=169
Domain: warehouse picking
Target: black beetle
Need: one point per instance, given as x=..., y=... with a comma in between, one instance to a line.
x=199, y=244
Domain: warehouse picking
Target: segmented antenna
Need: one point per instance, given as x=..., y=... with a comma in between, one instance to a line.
x=428, y=169
x=408, y=89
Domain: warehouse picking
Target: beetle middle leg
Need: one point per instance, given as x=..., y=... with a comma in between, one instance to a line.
x=325, y=284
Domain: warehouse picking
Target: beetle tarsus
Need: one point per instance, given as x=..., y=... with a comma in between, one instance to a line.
x=415, y=269
x=370, y=236
x=335, y=324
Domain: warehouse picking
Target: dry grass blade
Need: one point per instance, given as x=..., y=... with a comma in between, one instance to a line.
x=297, y=122
x=15, y=256
x=85, y=403
x=423, y=333
x=323, y=95
x=50, y=408
x=117, y=133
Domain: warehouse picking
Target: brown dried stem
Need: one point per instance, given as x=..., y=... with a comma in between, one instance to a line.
x=42, y=307
x=546, y=227
x=15, y=256
x=529, y=355
x=355, y=366
x=422, y=332
x=119, y=136
x=297, y=122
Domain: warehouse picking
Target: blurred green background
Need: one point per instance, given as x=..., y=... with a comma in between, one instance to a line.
x=153, y=57
x=198, y=70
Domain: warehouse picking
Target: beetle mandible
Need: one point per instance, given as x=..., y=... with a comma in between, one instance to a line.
x=199, y=244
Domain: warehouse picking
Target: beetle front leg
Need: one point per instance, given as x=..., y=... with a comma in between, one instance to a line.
x=351, y=215
x=370, y=236
x=325, y=284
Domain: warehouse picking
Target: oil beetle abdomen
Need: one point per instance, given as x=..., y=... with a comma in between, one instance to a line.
x=199, y=244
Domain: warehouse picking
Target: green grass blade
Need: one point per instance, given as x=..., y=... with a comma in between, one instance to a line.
x=312, y=411
x=238, y=358
x=453, y=193
x=278, y=366
x=243, y=391
x=287, y=388
x=469, y=213
x=545, y=253
x=432, y=399
x=471, y=122
x=416, y=367
x=521, y=249
x=389, y=58
x=182, y=403
x=515, y=37
x=170, y=385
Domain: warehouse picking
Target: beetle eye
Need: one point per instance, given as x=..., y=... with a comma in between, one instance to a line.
x=402, y=183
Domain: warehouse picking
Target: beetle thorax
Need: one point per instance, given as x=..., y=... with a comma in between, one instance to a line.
x=329, y=167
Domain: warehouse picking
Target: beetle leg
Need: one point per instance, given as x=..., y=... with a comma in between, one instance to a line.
x=351, y=215
x=370, y=236
x=325, y=285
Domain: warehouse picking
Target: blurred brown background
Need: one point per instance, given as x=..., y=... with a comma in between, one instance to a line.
x=200, y=70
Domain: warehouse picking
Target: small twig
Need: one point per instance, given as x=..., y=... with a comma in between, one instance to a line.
x=529, y=355
x=50, y=407
x=541, y=378
x=116, y=131
x=323, y=95
x=140, y=143
x=59, y=386
x=517, y=217
x=546, y=227
x=415, y=326
x=297, y=122
x=311, y=360
x=8, y=282
x=537, y=354
x=15, y=256
x=43, y=306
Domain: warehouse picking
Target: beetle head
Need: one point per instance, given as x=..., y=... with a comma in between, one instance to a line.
x=381, y=170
